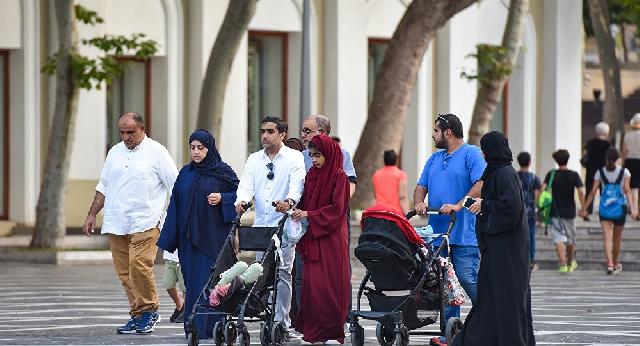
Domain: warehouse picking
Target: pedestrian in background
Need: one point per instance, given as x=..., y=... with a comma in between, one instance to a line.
x=172, y=279
x=451, y=174
x=612, y=227
x=136, y=180
x=390, y=183
x=593, y=159
x=531, y=191
x=199, y=219
x=563, y=209
x=631, y=156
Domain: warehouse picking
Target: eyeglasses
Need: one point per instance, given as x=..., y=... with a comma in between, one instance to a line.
x=306, y=131
x=270, y=175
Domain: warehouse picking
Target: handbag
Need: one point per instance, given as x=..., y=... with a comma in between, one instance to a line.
x=545, y=200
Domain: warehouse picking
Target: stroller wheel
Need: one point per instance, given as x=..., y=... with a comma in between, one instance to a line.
x=192, y=339
x=385, y=334
x=244, y=339
x=230, y=333
x=218, y=333
x=265, y=334
x=402, y=337
x=454, y=326
x=278, y=333
x=357, y=334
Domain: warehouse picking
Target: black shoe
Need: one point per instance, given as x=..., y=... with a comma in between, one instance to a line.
x=177, y=314
x=147, y=322
x=130, y=327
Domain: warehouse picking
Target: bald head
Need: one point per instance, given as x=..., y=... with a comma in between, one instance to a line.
x=139, y=119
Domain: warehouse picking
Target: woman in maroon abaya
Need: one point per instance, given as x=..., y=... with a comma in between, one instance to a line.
x=324, y=248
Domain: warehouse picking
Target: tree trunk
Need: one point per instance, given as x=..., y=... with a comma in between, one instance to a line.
x=236, y=21
x=613, y=112
x=393, y=87
x=625, y=49
x=50, y=211
x=490, y=91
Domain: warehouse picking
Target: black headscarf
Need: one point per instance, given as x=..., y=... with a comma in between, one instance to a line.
x=211, y=167
x=495, y=148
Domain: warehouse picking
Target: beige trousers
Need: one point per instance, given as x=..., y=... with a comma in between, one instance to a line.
x=133, y=257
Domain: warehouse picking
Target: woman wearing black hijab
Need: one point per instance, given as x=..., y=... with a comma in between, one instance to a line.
x=502, y=312
x=199, y=219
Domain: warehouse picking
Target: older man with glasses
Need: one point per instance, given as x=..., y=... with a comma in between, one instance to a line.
x=451, y=174
x=274, y=175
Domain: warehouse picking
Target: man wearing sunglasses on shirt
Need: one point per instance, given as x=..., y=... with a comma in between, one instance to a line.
x=274, y=175
x=451, y=174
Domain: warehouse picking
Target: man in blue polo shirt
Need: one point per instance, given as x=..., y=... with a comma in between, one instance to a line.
x=449, y=175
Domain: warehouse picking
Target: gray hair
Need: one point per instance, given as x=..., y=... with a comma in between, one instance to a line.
x=322, y=122
x=139, y=119
x=602, y=129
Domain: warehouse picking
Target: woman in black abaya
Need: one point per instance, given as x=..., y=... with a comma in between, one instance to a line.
x=502, y=313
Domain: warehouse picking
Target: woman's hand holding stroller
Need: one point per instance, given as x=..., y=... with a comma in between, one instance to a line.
x=476, y=207
x=298, y=214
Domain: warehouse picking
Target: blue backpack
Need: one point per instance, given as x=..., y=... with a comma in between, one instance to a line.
x=612, y=200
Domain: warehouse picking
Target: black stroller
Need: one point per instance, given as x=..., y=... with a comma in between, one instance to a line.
x=406, y=279
x=252, y=303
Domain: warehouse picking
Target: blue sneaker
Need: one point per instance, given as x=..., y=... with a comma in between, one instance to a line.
x=130, y=327
x=147, y=322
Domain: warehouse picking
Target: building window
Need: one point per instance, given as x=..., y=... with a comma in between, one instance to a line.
x=377, y=50
x=4, y=134
x=267, y=81
x=131, y=92
x=500, y=119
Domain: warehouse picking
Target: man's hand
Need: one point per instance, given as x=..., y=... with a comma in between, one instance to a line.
x=214, y=198
x=420, y=208
x=282, y=206
x=448, y=208
x=240, y=207
x=89, y=225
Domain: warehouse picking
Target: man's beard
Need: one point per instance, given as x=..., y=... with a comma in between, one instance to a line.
x=442, y=144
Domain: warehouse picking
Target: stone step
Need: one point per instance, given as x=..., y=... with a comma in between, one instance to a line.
x=590, y=265
x=596, y=255
x=75, y=242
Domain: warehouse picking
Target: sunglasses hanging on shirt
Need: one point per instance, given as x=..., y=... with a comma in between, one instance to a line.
x=270, y=175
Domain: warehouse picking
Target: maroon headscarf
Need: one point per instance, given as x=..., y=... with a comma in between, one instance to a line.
x=326, y=195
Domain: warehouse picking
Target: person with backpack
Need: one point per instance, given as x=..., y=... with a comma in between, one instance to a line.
x=562, y=209
x=615, y=183
x=531, y=191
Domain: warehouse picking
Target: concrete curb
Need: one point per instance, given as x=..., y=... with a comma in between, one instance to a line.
x=55, y=257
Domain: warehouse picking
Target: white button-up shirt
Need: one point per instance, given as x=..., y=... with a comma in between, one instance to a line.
x=287, y=182
x=136, y=184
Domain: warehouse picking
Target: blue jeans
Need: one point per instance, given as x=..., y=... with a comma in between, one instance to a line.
x=532, y=240
x=466, y=262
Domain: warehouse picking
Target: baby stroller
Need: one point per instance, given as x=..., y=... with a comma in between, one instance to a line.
x=251, y=303
x=407, y=279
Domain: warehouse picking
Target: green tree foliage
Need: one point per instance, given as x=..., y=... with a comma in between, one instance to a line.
x=492, y=64
x=620, y=12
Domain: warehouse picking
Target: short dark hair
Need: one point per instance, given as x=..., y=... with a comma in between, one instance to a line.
x=137, y=117
x=294, y=143
x=280, y=124
x=612, y=154
x=524, y=159
x=450, y=122
x=336, y=139
x=561, y=156
x=390, y=157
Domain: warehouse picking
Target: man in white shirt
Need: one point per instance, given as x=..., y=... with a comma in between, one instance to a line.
x=274, y=175
x=136, y=181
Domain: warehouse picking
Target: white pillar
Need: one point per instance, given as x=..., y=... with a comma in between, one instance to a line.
x=561, y=103
x=174, y=74
x=455, y=41
x=345, y=51
x=24, y=171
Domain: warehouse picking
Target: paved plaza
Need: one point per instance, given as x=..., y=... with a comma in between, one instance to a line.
x=82, y=305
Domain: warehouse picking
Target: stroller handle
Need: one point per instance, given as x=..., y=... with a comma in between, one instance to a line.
x=432, y=211
x=236, y=221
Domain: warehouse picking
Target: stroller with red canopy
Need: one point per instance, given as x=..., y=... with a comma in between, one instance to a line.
x=407, y=278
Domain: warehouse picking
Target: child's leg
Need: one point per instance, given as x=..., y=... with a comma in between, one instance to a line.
x=617, y=243
x=169, y=281
x=571, y=253
x=175, y=296
x=607, y=234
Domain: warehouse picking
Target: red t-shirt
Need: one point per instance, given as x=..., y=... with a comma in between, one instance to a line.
x=386, y=185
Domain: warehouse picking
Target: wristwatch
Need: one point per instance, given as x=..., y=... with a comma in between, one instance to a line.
x=291, y=202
